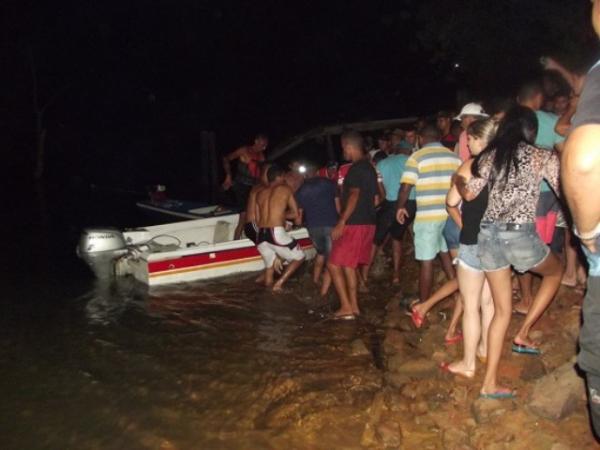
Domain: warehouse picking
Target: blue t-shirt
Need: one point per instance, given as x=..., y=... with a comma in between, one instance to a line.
x=316, y=197
x=391, y=170
x=546, y=137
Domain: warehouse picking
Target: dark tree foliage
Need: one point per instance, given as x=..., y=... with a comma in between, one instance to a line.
x=498, y=43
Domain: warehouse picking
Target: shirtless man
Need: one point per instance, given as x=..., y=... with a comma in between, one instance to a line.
x=250, y=227
x=247, y=175
x=275, y=204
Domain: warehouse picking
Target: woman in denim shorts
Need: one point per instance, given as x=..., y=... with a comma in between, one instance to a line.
x=511, y=168
x=474, y=289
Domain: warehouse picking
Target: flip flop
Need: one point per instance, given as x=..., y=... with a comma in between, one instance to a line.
x=417, y=318
x=343, y=317
x=525, y=349
x=445, y=367
x=454, y=339
x=500, y=394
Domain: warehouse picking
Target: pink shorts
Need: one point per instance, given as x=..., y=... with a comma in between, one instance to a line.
x=353, y=248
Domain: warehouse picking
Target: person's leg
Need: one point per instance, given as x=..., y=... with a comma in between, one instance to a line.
x=318, y=268
x=326, y=284
x=427, y=236
x=339, y=282
x=458, y=303
x=287, y=273
x=396, y=260
x=268, y=278
x=526, y=284
x=500, y=285
x=425, y=279
x=451, y=333
x=351, y=283
x=268, y=255
x=240, y=226
x=487, y=314
x=570, y=276
x=447, y=289
x=448, y=268
x=551, y=270
x=470, y=284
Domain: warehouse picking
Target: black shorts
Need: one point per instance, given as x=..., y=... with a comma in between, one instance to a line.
x=241, y=192
x=387, y=223
x=251, y=232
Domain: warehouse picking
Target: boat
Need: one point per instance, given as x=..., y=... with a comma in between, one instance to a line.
x=182, y=209
x=177, y=252
x=159, y=205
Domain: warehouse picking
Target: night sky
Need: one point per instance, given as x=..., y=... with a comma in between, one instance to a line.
x=133, y=83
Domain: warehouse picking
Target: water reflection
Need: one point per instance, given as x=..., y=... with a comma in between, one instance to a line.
x=108, y=299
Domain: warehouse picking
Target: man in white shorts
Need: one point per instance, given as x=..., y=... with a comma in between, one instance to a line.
x=274, y=205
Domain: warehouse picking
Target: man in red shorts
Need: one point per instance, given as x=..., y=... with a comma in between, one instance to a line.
x=355, y=229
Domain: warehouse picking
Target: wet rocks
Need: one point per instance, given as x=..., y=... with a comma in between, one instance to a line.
x=394, y=342
x=484, y=410
x=394, y=319
x=533, y=369
x=389, y=434
x=416, y=368
x=358, y=348
x=557, y=394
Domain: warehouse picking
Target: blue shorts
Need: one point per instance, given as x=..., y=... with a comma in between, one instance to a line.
x=451, y=234
x=429, y=240
x=468, y=257
x=321, y=239
x=500, y=247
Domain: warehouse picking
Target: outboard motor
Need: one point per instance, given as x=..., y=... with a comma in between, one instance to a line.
x=100, y=248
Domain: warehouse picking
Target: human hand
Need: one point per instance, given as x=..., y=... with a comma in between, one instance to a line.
x=227, y=183
x=337, y=231
x=401, y=215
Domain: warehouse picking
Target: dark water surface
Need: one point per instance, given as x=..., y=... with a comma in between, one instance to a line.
x=218, y=364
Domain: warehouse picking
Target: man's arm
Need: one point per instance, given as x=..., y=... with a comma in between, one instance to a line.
x=293, y=213
x=564, y=122
x=380, y=193
x=351, y=203
x=403, y=194
x=580, y=176
x=453, y=200
x=227, y=166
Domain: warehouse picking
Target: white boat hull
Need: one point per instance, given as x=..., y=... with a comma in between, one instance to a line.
x=194, y=250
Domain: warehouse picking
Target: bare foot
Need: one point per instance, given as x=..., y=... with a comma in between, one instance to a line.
x=459, y=368
x=343, y=313
x=396, y=280
x=525, y=341
x=260, y=279
x=277, y=287
x=496, y=392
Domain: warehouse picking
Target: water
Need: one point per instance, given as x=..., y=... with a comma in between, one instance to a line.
x=217, y=364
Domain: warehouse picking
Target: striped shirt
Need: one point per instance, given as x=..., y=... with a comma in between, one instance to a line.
x=430, y=170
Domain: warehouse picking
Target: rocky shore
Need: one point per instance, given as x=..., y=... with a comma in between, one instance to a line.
x=421, y=407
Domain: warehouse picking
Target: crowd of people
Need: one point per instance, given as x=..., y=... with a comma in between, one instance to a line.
x=479, y=191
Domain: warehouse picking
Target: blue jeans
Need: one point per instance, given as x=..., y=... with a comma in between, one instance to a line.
x=502, y=246
x=321, y=238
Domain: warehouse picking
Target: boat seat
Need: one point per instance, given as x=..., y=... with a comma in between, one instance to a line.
x=221, y=232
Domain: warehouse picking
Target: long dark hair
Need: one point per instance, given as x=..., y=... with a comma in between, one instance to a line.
x=519, y=125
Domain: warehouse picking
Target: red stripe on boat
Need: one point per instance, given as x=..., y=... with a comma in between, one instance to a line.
x=220, y=256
